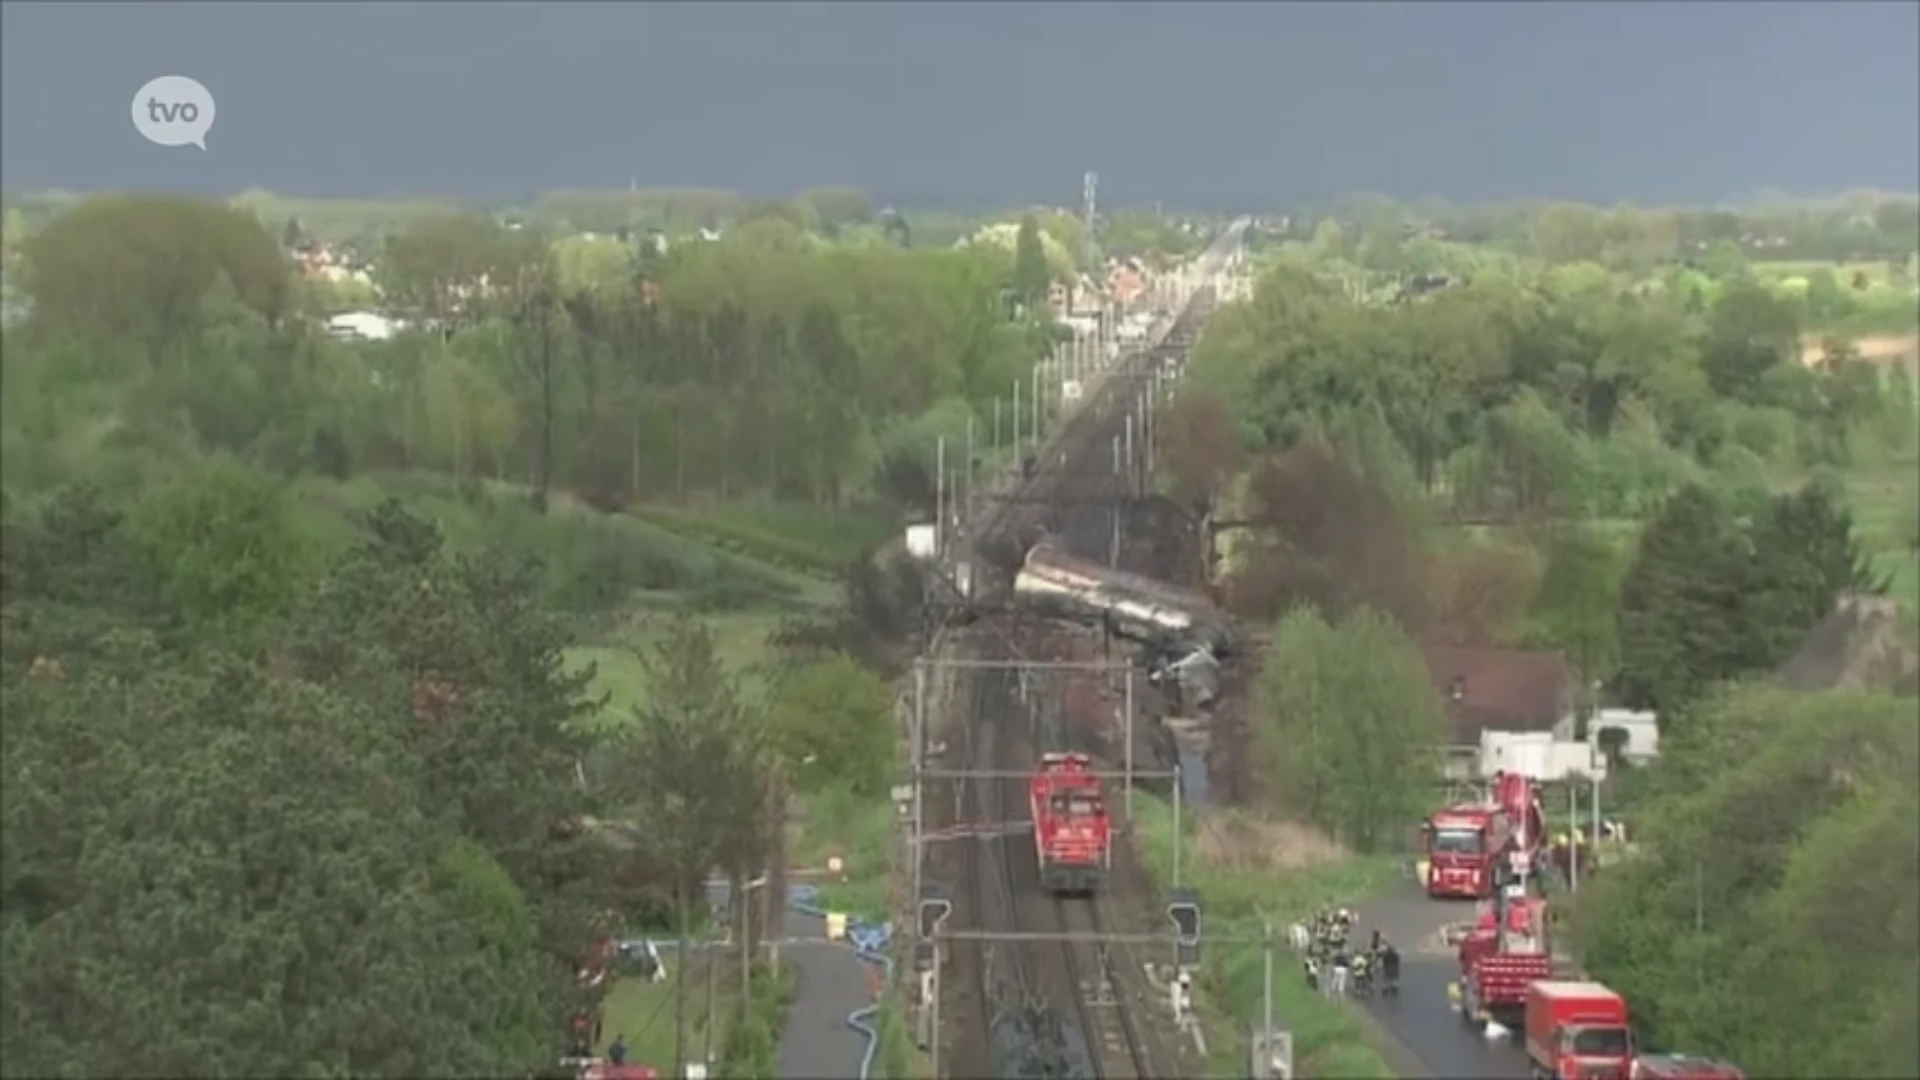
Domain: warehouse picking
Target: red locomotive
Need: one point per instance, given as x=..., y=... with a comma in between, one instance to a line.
x=1072, y=837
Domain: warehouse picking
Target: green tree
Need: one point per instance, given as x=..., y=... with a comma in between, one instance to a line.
x=1348, y=745
x=135, y=269
x=223, y=547
x=451, y=269
x=265, y=840
x=1579, y=597
x=1770, y=918
x=833, y=720
x=1683, y=603
x=1031, y=274
x=1807, y=555
x=693, y=768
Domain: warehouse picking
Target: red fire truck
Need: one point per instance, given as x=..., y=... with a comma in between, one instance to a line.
x=1071, y=833
x=1502, y=955
x=1517, y=797
x=1473, y=848
x=1580, y=1031
x=1462, y=846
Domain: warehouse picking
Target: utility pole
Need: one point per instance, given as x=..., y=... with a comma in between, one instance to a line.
x=1016, y=419
x=1596, y=815
x=1089, y=193
x=1178, y=783
x=1266, y=979
x=1127, y=719
x=939, y=499
x=1035, y=395
x=966, y=514
x=1573, y=829
x=712, y=1005
x=917, y=827
x=1113, y=550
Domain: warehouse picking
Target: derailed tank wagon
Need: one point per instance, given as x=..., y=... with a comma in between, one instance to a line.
x=1072, y=836
x=1055, y=583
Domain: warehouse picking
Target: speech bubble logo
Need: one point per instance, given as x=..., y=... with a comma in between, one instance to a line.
x=174, y=110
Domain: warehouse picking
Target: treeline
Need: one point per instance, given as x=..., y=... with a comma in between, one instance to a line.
x=1662, y=477
x=268, y=817
x=1771, y=917
x=272, y=813
x=1559, y=395
x=1705, y=597
x=1860, y=226
x=716, y=369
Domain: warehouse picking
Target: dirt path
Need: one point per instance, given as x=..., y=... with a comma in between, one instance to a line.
x=1880, y=350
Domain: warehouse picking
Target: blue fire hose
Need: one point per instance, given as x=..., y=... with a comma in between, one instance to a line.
x=869, y=942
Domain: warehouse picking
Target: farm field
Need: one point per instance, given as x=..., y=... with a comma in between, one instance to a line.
x=621, y=675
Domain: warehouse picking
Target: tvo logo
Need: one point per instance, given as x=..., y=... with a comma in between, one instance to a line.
x=174, y=110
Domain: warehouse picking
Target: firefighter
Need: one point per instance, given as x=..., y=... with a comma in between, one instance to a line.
x=1362, y=981
x=1561, y=856
x=1389, y=969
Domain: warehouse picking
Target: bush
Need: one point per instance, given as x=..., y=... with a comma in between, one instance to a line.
x=833, y=722
x=753, y=1039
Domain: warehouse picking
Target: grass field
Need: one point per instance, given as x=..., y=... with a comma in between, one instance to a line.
x=1328, y=1038
x=1884, y=512
x=858, y=830
x=621, y=674
x=642, y=1012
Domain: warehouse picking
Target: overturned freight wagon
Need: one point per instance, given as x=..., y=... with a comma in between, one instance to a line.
x=1054, y=583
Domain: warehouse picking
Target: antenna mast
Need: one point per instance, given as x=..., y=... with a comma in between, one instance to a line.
x=1089, y=189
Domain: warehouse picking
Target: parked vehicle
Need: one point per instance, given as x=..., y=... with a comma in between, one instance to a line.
x=1577, y=1031
x=1462, y=850
x=1580, y=1031
x=1473, y=849
x=1504, y=953
x=1072, y=836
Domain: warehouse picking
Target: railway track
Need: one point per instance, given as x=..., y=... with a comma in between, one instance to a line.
x=1020, y=999
x=1106, y=1016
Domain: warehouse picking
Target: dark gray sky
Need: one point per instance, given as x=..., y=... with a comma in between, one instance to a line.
x=1193, y=103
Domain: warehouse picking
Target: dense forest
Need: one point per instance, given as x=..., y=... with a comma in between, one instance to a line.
x=295, y=624
x=1668, y=473
x=302, y=767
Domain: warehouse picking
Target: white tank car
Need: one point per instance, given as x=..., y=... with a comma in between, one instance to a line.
x=1054, y=583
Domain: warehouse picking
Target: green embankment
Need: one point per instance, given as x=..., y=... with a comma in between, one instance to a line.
x=1237, y=899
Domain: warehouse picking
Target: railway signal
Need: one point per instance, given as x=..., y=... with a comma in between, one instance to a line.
x=935, y=906
x=1183, y=907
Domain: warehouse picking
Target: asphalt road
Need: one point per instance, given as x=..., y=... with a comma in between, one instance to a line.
x=1422, y=1019
x=831, y=983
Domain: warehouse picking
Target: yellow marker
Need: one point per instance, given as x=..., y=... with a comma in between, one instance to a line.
x=836, y=925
